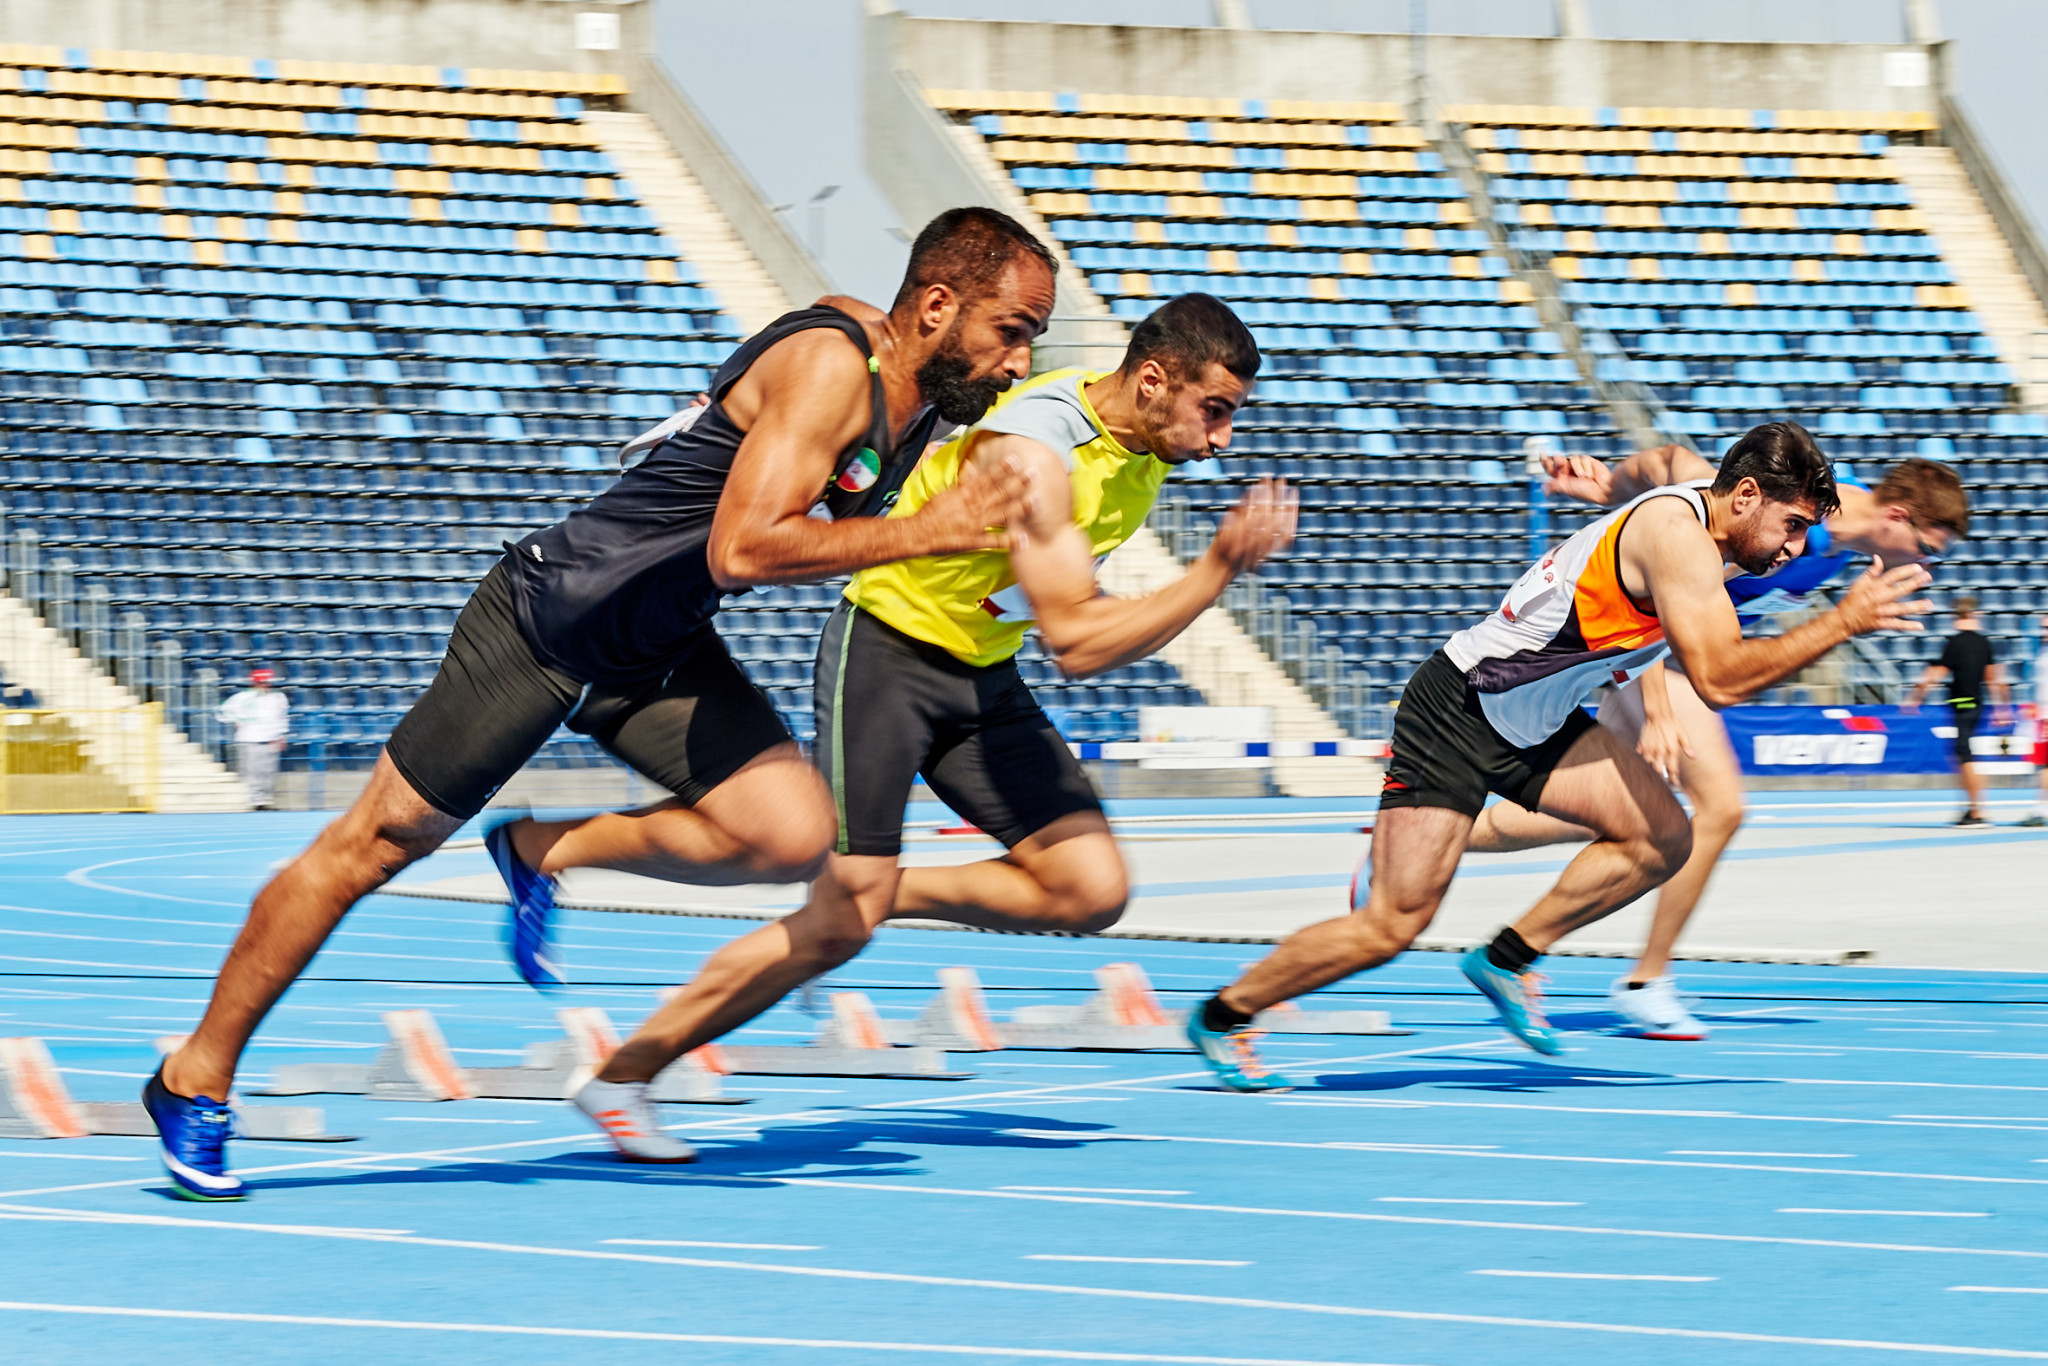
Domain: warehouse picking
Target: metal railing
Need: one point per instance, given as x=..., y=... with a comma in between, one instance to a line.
x=1292, y=642
x=1635, y=406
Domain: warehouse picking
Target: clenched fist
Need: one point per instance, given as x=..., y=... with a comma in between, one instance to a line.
x=1260, y=526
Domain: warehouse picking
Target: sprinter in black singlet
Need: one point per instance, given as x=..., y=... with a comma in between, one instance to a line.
x=604, y=622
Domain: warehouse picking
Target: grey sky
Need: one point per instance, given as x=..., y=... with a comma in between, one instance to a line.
x=780, y=79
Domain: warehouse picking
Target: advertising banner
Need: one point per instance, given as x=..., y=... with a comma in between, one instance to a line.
x=1845, y=741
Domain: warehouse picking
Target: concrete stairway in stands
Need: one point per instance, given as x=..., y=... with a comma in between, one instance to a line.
x=39, y=658
x=686, y=214
x=1982, y=260
x=1216, y=657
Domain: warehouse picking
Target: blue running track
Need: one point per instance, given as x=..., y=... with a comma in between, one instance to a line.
x=1854, y=1169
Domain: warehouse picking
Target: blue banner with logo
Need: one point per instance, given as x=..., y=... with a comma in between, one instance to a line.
x=1844, y=741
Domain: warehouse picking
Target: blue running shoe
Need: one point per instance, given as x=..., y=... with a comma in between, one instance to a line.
x=529, y=924
x=192, y=1138
x=1518, y=997
x=1232, y=1057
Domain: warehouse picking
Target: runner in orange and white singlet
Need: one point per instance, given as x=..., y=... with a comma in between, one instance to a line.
x=1499, y=710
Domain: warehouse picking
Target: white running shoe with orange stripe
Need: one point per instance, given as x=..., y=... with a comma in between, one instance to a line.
x=623, y=1111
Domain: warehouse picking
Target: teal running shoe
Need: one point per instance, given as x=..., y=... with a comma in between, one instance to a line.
x=1232, y=1057
x=1518, y=997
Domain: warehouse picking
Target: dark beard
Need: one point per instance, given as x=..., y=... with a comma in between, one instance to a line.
x=946, y=383
x=1754, y=562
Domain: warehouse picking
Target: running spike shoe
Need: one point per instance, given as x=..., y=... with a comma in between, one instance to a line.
x=192, y=1139
x=1232, y=1056
x=1654, y=1010
x=529, y=922
x=627, y=1117
x=1518, y=997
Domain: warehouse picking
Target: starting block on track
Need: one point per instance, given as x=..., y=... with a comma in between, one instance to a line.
x=855, y=1042
x=34, y=1103
x=1124, y=1015
x=416, y=1065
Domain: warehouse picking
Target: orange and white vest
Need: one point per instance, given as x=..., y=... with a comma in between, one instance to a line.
x=1565, y=627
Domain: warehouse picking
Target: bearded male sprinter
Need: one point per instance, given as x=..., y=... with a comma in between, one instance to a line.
x=917, y=674
x=605, y=621
x=1498, y=709
x=1916, y=512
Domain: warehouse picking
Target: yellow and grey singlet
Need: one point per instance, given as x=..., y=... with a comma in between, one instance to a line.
x=969, y=604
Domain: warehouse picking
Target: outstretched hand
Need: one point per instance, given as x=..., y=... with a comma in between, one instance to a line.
x=984, y=510
x=1260, y=526
x=1581, y=477
x=1664, y=746
x=1873, y=602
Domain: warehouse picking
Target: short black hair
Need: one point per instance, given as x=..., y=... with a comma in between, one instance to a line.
x=1188, y=333
x=1786, y=463
x=967, y=250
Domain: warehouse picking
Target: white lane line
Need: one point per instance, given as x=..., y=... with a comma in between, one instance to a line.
x=2004, y=1289
x=69, y=1157
x=1281, y=1212
x=1034, y=1287
x=1134, y=1261
x=1093, y=1190
x=1732, y=1152
x=732, y=1247
x=1429, y=1149
x=1405, y=1103
x=1882, y=1029
x=1448, y=1200
x=1895, y=1213
x=1595, y=1276
x=629, y=1335
x=450, y=1119
x=2005, y=1119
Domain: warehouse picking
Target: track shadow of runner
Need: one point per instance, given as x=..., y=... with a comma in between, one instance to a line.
x=1604, y=1021
x=816, y=1151
x=1522, y=1075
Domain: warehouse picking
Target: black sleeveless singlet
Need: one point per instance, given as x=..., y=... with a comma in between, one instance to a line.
x=615, y=591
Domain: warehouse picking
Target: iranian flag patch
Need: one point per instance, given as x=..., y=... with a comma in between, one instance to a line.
x=860, y=472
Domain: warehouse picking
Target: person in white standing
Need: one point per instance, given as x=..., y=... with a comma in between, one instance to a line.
x=261, y=716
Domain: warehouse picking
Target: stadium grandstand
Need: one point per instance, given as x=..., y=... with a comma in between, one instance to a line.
x=295, y=345
x=1440, y=284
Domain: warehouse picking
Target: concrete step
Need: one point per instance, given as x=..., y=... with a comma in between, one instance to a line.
x=186, y=778
x=689, y=218
x=1226, y=665
x=1982, y=260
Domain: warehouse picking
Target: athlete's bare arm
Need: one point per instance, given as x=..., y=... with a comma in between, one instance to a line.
x=1086, y=630
x=1666, y=556
x=1591, y=480
x=802, y=403
x=1662, y=742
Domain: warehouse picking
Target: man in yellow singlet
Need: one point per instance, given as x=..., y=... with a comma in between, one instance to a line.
x=917, y=672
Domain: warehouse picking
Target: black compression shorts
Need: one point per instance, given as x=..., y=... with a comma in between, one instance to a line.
x=1446, y=753
x=493, y=704
x=1968, y=717
x=890, y=707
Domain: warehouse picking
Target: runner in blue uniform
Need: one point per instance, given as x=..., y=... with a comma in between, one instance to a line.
x=1911, y=515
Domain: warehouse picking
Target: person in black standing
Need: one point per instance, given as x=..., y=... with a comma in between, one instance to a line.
x=604, y=622
x=1970, y=665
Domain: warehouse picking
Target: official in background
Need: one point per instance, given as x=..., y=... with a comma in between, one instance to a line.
x=261, y=716
x=1970, y=665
